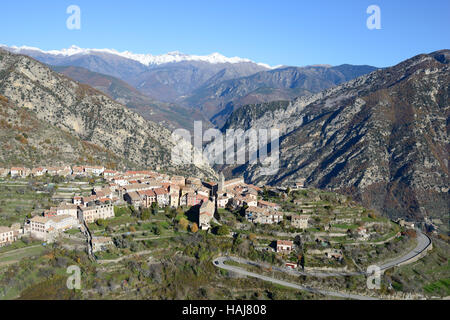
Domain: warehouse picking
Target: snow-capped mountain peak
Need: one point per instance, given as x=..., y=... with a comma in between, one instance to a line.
x=145, y=59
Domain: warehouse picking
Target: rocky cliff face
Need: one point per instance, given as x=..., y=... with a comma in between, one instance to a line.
x=383, y=138
x=28, y=141
x=87, y=114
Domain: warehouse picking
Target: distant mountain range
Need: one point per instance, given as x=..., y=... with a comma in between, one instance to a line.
x=86, y=115
x=165, y=78
x=175, y=89
x=382, y=138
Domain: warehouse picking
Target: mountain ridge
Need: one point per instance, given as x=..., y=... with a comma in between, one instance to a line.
x=169, y=115
x=218, y=100
x=89, y=114
x=382, y=138
x=165, y=82
x=145, y=59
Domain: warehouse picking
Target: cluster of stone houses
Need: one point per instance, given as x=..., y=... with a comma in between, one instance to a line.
x=47, y=228
x=63, y=171
x=55, y=220
x=263, y=216
x=144, y=189
x=66, y=216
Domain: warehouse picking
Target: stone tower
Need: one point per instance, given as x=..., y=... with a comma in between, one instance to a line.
x=221, y=183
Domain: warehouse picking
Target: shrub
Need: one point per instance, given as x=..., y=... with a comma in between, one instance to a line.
x=222, y=230
x=194, y=228
x=183, y=223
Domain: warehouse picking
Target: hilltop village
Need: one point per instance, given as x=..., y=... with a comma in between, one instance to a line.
x=114, y=218
x=208, y=203
x=141, y=189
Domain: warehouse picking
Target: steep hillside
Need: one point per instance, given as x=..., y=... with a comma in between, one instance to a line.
x=382, y=138
x=87, y=113
x=219, y=100
x=31, y=142
x=170, y=116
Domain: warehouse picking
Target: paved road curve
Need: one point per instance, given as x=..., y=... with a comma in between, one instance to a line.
x=219, y=262
x=423, y=242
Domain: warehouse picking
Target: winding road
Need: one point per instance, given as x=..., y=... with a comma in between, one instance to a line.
x=219, y=262
x=423, y=243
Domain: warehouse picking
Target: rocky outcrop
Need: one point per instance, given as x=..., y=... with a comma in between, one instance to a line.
x=28, y=141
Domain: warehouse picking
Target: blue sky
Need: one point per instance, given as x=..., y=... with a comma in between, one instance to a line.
x=287, y=32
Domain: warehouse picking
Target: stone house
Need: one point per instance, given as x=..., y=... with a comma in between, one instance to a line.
x=94, y=170
x=300, y=221
x=268, y=205
x=148, y=197
x=269, y=217
x=78, y=171
x=6, y=236
x=263, y=216
x=110, y=173
x=162, y=197
x=68, y=210
x=133, y=198
x=252, y=213
x=178, y=180
x=38, y=172
x=101, y=243
x=46, y=229
x=92, y=213
x=222, y=200
x=284, y=246
x=206, y=214
x=250, y=201
x=20, y=172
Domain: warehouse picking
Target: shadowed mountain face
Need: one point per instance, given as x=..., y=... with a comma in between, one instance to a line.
x=170, y=116
x=172, y=82
x=219, y=100
x=88, y=114
x=382, y=138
